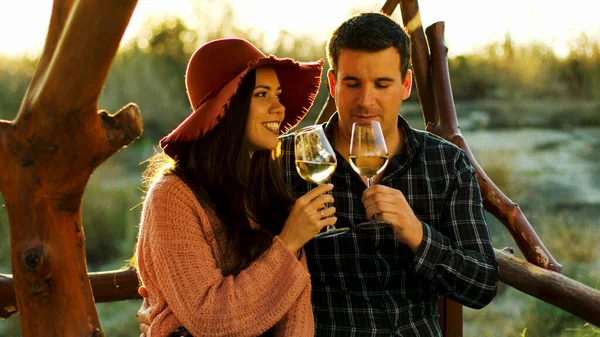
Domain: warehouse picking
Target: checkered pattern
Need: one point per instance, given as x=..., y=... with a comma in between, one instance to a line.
x=365, y=282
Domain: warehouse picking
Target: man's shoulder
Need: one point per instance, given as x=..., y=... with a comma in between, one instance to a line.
x=435, y=151
x=286, y=144
x=430, y=141
x=286, y=151
x=286, y=138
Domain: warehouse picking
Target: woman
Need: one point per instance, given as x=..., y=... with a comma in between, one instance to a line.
x=220, y=243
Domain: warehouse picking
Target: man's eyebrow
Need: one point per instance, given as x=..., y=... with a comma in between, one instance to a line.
x=379, y=79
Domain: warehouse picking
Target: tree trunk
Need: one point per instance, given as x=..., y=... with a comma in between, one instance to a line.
x=48, y=154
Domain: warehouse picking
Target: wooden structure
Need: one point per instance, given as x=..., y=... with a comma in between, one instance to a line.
x=48, y=154
x=59, y=137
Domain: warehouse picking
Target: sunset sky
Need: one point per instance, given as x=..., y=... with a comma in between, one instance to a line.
x=470, y=24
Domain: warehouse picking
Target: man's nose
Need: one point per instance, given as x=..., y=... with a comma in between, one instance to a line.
x=367, y=96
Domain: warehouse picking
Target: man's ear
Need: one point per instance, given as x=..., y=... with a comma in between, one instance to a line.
x=331, y=80
x=407, y=84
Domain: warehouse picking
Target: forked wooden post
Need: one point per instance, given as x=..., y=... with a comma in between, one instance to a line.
x=48, y=154
x=430, y=66
x=494, y=200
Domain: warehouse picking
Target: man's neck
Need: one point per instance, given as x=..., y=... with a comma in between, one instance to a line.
x=341, y=142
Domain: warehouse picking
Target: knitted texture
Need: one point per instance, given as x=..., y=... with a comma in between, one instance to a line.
x=182, y=264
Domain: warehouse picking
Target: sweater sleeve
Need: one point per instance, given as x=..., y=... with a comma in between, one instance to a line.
x=202, y=299
x=299, y=320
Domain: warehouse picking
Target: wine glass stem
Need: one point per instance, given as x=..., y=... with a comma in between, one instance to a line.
x=325, y=206
x=369, y=183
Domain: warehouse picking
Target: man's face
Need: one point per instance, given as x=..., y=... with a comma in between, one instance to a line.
x=369, y=86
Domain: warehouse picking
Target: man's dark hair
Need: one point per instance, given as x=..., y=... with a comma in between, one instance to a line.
x=369, y=32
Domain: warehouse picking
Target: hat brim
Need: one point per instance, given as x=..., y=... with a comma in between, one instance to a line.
x=299, y=84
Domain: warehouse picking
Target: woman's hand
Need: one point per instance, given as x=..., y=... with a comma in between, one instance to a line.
x=308, y=217
x=143, y=315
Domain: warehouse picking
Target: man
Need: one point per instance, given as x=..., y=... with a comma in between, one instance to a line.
x=386, y=282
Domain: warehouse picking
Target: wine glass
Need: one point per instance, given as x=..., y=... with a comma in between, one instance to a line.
x=368, y=157
x=316, y=162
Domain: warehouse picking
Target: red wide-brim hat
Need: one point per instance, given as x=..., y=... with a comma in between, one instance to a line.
x=214, y=74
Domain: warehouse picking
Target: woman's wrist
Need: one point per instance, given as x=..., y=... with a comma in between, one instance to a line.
x=290, y=246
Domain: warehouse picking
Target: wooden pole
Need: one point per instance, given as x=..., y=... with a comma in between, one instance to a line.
x=110, y=286
x=550, y=287
x=48, y=154
x=411, y=16
x=494, y=200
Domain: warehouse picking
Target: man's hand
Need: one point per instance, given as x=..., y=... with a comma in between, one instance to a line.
x=390, y=205
x=143, y=315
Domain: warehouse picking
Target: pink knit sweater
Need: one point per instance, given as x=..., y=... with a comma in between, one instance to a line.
x=181, y=265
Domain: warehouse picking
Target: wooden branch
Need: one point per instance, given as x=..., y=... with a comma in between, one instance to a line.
x=389, y=7
x=494, y=200
x=60, y=14
x=327, y=111
x=8, y=301
x=451, y=317
x=420, y=59
x=550, y=287
x=83, y=56
x=329, y=107
x=116, y=285
x=122, y=128
x=4, y=136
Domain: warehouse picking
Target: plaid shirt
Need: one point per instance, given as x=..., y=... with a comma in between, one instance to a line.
x=365, y=282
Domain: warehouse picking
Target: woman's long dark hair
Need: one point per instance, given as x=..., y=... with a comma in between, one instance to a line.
x=220, y=172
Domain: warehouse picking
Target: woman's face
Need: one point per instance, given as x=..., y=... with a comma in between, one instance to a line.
x=266, y=112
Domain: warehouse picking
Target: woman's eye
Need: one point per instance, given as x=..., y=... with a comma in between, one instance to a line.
x=260, y=94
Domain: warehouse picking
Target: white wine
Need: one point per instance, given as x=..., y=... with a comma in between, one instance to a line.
x=315, y=172
x=368, y=166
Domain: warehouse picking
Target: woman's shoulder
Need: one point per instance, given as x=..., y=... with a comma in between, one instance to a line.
x=171, y=195
x=172, y=190
x=169, y=184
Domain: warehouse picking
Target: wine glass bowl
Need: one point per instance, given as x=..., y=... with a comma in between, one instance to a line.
x=315, y=162
x=368, y=157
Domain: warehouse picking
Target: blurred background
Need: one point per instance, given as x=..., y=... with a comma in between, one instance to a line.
x=526, y=82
